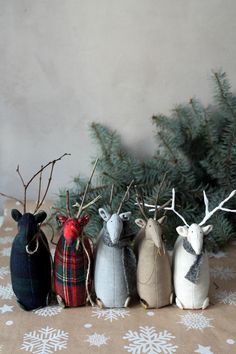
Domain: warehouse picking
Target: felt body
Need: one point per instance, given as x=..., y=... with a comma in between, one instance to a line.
x=70, y=271
x=154, y=283
x=30, y=274
x=109, y=277
x=190, y=295
x=115, y=262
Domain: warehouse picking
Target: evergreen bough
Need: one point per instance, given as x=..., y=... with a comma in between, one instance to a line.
x=196, y=149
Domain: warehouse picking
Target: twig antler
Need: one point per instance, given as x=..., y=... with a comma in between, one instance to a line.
x=124, y=197
x=140, y=203
x=172, y=207
x=208, y=214
x=111, y=196
x=81, y=206
x=158, y=194
x=10, y=197
x=26, y=185
x=68, y=203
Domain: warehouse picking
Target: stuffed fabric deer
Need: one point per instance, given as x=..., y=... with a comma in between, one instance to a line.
x=73, y=262
x=190, y=260
x=115, y=264
x=30, y=261
x=154, y=283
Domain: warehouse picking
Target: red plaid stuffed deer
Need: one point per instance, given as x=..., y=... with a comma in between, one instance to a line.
x=73, y=260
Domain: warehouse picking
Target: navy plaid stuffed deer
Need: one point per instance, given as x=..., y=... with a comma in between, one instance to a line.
x=30, y=261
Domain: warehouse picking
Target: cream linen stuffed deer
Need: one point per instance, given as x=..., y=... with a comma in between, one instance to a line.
x=190, y=261
x=153, y=264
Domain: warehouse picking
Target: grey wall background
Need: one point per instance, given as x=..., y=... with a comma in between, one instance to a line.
x=66, y=63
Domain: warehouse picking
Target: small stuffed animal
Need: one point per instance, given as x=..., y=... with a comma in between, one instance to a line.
x=190, y=260
x=73, y=260
x=30, y=261
x=154, y=283
x=115, y=263
x=72, y=263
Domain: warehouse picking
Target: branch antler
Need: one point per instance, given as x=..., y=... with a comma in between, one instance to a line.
x=82, y=206
x=26, y=185
x=208, y=214
x=140, y=203
x=172, y=207
x=124, y=197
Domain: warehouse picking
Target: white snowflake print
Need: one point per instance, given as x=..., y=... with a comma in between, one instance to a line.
x=149, y=341
x=44, y=341
x=4, y=271
x=203, y=350
x=219, y=254
x=6, y=252
x=97, y=340
x=6, y=292
x=6, y=239
x=48, y=311
x=6, y=308
x=196, y=321
x=110, y=314
x=225, y=297
x=223, y=273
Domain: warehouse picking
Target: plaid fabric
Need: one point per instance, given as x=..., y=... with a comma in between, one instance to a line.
x=70, y=270
x=30, y=274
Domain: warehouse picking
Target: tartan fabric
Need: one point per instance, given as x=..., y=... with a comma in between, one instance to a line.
x=30, y=274
x=70, y=270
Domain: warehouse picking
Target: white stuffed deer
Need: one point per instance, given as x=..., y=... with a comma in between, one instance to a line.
x=190, y=261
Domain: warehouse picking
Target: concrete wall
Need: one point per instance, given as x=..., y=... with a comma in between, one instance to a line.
x=65, y=63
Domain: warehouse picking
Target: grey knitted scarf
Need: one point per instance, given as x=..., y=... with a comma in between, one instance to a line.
x=128, y=258
x=194, y=271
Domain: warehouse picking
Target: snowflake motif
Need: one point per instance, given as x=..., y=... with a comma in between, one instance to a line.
x=97, y=340
x=223, y=273
x=110, y=314
x=149, y=341
x=44, y=341
x=195, y=321
x=6, y=239
x=6, y=251
x=48, y=311
x=6, y=292
x=4, y=271
x=227, y=298
x=203, y=350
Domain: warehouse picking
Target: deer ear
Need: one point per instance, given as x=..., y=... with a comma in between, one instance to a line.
x=16, y=215
x=62, y=219
x=104, y=214
x=84, y=220
x=125, y=216
x=207, y=229
x=162, y=220
x=40, y=217
x=182, y=231
x=141, y=223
